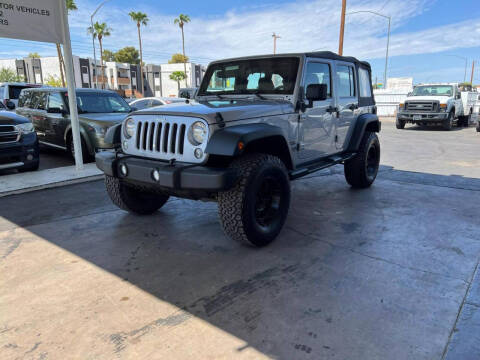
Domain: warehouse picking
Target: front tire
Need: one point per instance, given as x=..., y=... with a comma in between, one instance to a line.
x=448, y=124
x=254, y=211
x=133, y=199
x=85, y=154
x=400, y=124
x=361, y=171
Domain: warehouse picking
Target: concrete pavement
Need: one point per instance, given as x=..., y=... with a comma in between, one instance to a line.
x=383, y=273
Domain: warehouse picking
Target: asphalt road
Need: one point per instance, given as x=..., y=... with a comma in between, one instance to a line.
x=384, y=273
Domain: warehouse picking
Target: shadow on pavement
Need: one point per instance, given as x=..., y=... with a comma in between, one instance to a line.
x=373, y=273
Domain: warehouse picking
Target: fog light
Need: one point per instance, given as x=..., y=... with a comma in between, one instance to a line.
x=125, y=144
x=123, y=169
x=29, y=157
x=198, y=153
x=156, y=175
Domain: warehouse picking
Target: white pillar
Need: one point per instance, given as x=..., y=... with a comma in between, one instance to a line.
x=72, y=98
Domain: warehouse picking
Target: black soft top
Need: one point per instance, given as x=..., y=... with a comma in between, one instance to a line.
x=332, y=56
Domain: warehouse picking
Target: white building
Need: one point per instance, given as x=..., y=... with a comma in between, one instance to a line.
x=121, y=77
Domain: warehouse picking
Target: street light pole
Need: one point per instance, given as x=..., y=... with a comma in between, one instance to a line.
x=275, y=37
x=388, y=39
x=93, y=43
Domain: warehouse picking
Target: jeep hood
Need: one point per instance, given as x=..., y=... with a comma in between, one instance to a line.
x=229, y=110
x=441, y=99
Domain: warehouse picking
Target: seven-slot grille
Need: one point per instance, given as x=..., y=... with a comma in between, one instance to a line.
x=421, y=106
x=161, y=137
x=9, y=134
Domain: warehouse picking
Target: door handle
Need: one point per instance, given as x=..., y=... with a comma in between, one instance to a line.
x=332, y=109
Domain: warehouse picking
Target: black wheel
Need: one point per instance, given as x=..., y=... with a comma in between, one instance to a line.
x=400, y=124
x=361, y=171
x=478, y=127
x=448, y=124
x=254, y=211
x=133, y=199
x=85, y=154
x=30, y=167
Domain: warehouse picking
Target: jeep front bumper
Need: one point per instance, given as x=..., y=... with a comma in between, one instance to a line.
x=424, y=117
x=178, y=176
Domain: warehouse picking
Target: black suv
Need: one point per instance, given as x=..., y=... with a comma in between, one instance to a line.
x=18, y=143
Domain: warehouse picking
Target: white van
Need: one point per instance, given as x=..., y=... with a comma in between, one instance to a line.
x=10, y=91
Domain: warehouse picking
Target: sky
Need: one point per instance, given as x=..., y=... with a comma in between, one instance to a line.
x=429, y=41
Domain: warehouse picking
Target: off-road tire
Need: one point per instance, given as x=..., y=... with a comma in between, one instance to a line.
x=240, y=206
x=361, y=171
x=133, y=199
x=448, y=123
x=400, y=124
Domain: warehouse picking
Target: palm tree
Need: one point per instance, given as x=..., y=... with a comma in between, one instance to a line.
x=141, y=19
x=70, y=4
x=181, y=21
x=178, y=76
x=100, y=31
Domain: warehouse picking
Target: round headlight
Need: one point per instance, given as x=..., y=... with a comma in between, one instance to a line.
x=198, y=132
x=129, y=128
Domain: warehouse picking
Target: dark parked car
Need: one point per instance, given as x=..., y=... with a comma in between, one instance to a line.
x=48, y=110
x=18, y=143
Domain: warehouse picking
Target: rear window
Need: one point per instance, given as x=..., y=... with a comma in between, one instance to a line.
x=14, y=91
x=364, y=83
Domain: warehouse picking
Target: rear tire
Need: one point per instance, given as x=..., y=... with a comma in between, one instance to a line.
x=361, y=171
x=254, y=211
x=448, y=124
x=132, y=199
x=400, y=124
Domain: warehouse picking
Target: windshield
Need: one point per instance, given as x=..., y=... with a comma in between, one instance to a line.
x=98, y=102
x=436, y=90
x=266, y=76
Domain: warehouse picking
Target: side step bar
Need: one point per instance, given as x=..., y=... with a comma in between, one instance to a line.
x=320, y=165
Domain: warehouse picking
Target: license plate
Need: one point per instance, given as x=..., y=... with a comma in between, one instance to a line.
x=417, y=117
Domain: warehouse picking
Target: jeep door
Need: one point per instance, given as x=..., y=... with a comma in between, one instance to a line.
x=347, y=100
x=317, y=123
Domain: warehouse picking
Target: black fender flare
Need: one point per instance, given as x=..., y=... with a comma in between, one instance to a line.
x=365, y=122
x=225, y=142
x=114, y=134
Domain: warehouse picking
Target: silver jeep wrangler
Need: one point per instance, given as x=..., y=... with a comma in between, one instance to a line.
x=255, y=124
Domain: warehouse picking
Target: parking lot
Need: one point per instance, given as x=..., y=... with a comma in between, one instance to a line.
x=382, y=273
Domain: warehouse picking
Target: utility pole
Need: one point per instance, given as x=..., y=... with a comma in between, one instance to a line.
x=342, y=27
x=473, y=69
x=275, y=37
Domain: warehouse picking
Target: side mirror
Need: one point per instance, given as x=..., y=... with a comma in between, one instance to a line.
x=410, y=94
x=458, y=96
x=10, y=105
x=316, y=92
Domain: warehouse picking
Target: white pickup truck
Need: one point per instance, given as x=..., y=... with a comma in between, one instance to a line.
x=440, y=104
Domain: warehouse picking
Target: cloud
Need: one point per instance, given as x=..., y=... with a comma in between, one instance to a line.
x=303, y=26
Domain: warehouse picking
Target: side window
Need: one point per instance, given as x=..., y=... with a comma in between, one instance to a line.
x=156, y=103
x=346, y=81
x=41, y=103
x=55, y=101
x=2, y=92
x=142, y=104
x=365, y=89
x=22, y=98
x=319, y=73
